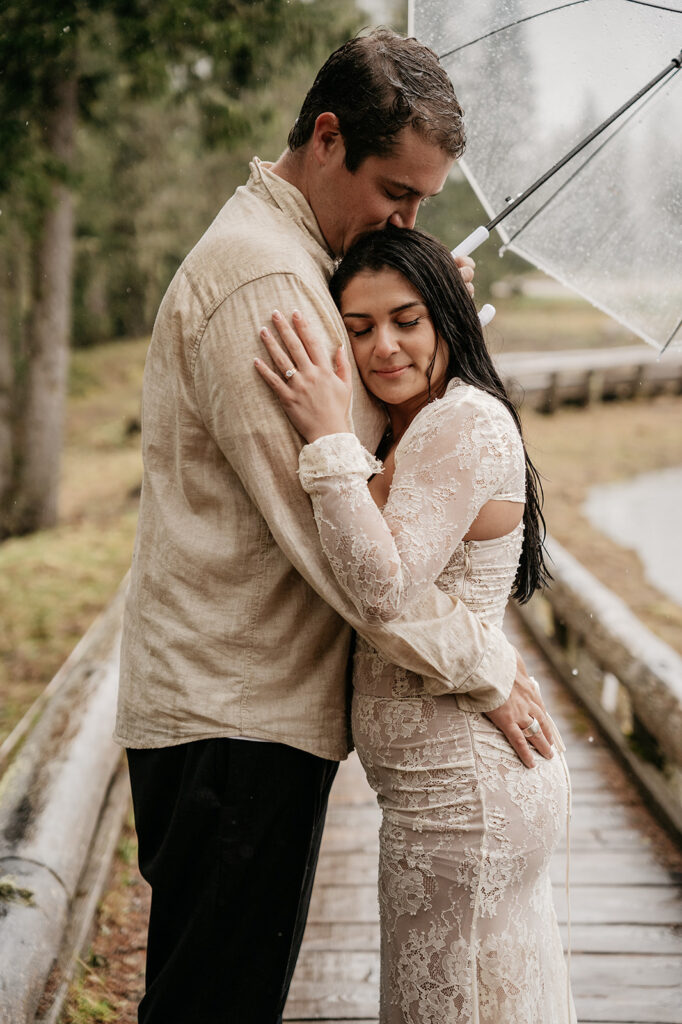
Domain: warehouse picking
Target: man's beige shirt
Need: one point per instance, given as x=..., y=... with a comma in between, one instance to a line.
x=234, y=623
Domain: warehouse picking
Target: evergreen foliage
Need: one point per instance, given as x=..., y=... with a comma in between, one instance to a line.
x=124, y=126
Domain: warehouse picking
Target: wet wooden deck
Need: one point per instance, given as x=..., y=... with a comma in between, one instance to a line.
x=626, y=892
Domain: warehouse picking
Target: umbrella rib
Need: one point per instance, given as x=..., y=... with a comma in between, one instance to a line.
x=679, y=324
x=672, y=68
x=659, y=7
x=512, y=24
x=584, y=164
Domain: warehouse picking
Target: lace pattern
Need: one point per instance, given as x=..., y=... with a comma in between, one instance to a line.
x=468, y=929
x=456, y=454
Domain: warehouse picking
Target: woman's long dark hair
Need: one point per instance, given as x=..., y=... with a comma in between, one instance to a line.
x=429, y=267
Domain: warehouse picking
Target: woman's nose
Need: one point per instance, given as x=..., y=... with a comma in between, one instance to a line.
x=386, y=344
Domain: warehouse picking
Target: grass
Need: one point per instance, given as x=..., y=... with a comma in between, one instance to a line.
x=86, y=1008
x=54, y=583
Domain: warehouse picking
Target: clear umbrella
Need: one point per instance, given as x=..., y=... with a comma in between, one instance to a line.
x=534, y=80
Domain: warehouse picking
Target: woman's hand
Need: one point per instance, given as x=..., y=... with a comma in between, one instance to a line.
x=314, y=394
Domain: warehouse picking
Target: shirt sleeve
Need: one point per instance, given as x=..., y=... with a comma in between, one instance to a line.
x=456, y=456
x=443, y=641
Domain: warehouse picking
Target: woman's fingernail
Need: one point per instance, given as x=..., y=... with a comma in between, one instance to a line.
x=264, y=331
x=298, y=314
x=276, y=315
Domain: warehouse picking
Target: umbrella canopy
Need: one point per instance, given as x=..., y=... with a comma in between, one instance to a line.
x=536, y=78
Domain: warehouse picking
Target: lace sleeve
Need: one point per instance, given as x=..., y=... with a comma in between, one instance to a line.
x=458, y=452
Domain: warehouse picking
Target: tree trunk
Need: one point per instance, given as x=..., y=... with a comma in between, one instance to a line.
x=39, y=436
x=6, y=405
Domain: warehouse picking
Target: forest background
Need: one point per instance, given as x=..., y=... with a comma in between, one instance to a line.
x=124, y=127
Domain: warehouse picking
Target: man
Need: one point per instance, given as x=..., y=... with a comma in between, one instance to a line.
x=236, y=630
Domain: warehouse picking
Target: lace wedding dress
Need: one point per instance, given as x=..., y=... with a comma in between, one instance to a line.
x=468, y=929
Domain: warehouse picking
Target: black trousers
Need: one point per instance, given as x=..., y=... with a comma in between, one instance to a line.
x=229, y=834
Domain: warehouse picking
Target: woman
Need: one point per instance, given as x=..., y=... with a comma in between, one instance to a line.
x=468, y=929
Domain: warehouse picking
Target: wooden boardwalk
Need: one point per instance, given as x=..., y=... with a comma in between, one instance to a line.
x=626, y=892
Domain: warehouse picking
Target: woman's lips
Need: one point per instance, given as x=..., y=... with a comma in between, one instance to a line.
x=392, y=372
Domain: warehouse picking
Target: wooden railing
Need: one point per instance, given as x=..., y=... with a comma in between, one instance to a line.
x=63, y=796
x=629, y=679
x=546, y=380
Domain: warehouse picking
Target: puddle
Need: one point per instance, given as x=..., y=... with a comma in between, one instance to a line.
x=645, y=513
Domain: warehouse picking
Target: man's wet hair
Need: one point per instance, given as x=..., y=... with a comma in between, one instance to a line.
x=376, y=85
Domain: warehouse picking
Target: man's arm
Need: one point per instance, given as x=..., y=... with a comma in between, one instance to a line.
x=447, y=644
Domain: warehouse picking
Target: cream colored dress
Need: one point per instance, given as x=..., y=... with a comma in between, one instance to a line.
x=469, y=934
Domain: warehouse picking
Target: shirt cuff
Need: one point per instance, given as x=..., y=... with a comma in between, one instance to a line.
x=335, y=455
x=491, y=683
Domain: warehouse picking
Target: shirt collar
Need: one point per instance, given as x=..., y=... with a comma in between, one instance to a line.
x=291, y=202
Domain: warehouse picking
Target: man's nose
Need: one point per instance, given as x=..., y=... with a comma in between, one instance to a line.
x=406, y=216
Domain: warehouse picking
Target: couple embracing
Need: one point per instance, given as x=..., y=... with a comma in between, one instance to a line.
x=329, y=451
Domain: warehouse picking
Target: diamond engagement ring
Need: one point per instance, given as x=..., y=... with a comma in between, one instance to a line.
x=289, y=374
x=532, y=728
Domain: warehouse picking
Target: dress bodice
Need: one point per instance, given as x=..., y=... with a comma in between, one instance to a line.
x=459, y=452
x=481, y=573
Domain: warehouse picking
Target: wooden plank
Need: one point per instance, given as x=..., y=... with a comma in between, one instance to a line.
x=340, y=839
x=623, y=938
x=626, y=988
x=591, y=837
x=617, y=904
x=610, y=867
x=344, y=986
x=620, y=904
x=584, y=836
x=348, y=868
x=330, y=985
x=586, y=780
x=339, y=936
x=351, y=786
x=585, y=754
x=357, y=904
x=603, y=797
x=585, y=938
x=353, y=816
x=613, y=815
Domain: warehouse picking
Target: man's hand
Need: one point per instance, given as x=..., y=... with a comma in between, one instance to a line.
x=466, y=268
x=523, y=704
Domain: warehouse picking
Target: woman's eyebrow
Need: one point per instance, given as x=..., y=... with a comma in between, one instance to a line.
x=396, y=309
x=406, y=305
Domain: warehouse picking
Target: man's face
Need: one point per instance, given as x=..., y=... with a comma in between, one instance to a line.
x=383, y=190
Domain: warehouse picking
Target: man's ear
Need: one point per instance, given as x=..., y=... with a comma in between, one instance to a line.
x=327, y=140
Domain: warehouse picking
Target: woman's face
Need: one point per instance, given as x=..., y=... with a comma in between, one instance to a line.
x=393, y=339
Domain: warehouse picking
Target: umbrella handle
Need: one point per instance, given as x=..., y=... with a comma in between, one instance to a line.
x=471, y=242
x=486, y=314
